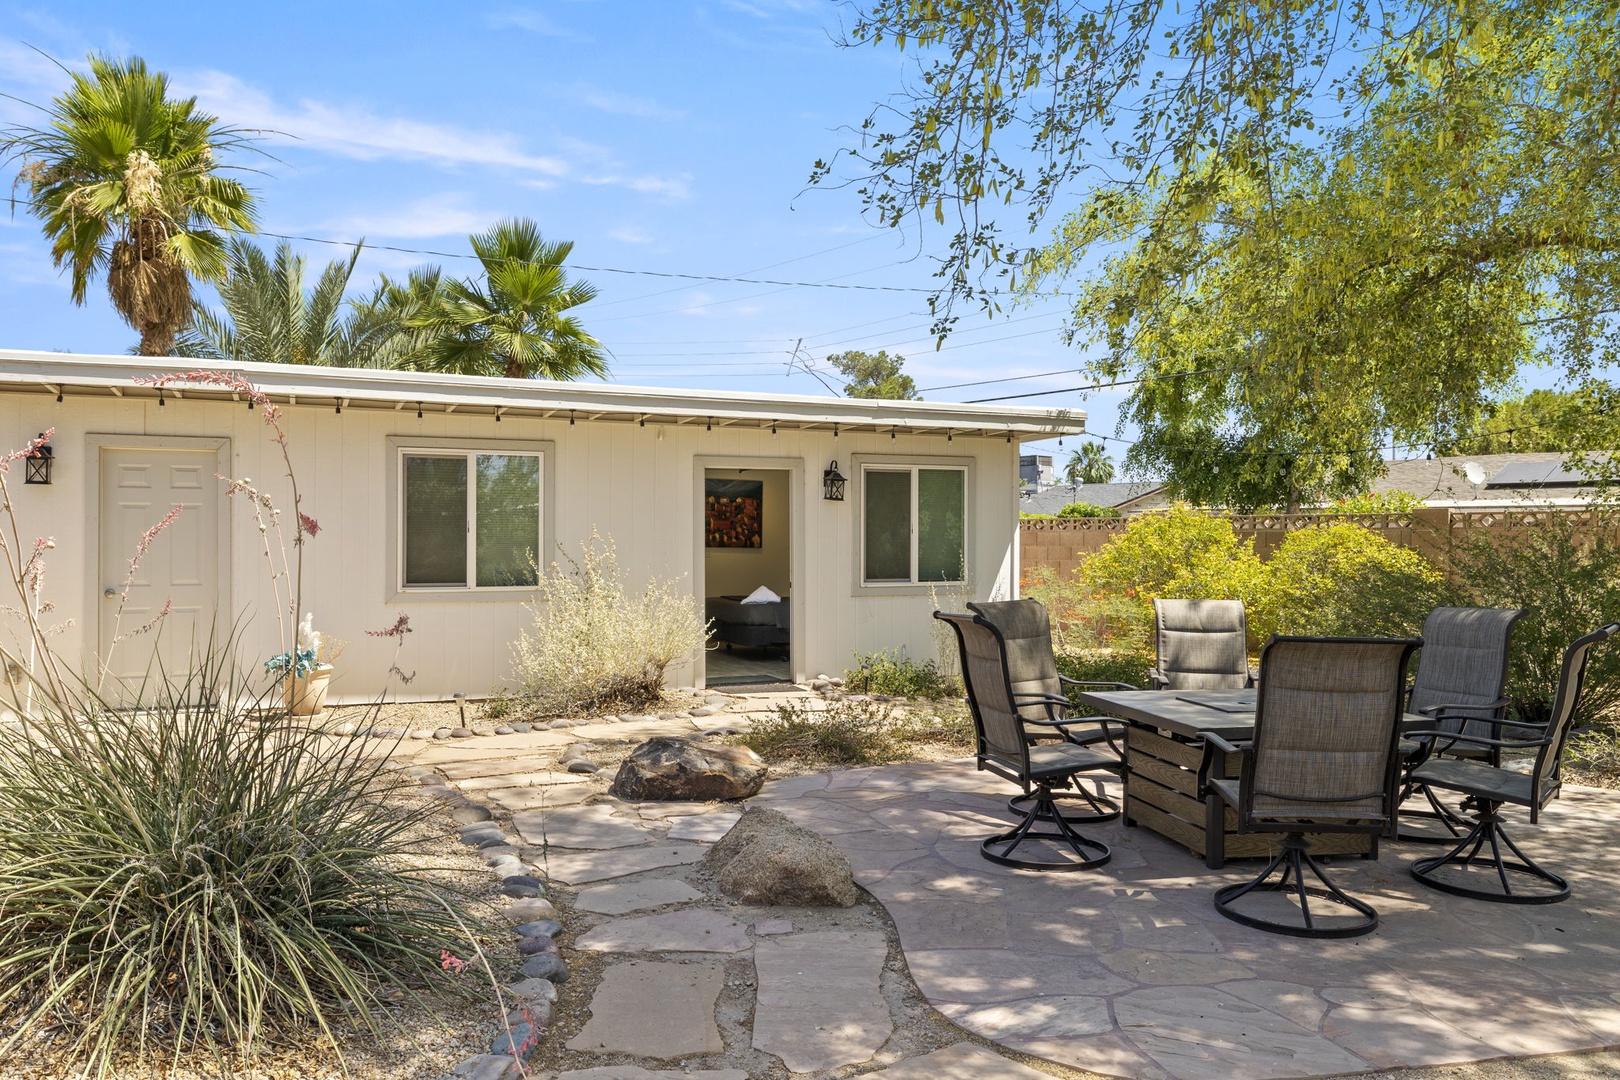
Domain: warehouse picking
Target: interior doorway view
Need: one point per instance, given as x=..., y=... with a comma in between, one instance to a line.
x=746, y=575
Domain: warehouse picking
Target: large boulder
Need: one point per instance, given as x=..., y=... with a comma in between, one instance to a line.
x=767, y=859
x=668, y=768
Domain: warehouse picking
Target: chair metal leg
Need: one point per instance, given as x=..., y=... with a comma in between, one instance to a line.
x=1293, y=860
x=1456, y=825
x=1502, y=871
x=1044, y=811
x=1102, y=807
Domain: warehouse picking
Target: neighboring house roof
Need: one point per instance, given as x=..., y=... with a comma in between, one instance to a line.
x=1509, y=480
x=66, y=373
x=1053, y=499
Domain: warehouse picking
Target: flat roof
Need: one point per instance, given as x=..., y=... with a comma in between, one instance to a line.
x=72, y=374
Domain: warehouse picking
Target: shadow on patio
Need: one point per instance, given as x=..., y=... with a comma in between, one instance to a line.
x=1128, y=970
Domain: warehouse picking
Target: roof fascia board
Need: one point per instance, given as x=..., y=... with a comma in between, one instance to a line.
x=356, y=385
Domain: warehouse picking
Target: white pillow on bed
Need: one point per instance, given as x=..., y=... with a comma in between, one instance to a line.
x=762, y=595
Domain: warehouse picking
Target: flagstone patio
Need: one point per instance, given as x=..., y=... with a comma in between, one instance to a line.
x=1129, y=971
x=1124, y=971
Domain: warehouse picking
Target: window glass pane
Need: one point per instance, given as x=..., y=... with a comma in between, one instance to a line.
x=941, y=513
x=435, y=521
x=508, y=518
x=888, y=525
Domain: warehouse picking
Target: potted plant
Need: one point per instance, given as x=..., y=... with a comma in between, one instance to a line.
x=307, y=668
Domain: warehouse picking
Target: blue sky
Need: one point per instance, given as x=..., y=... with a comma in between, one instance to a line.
x=660, y=136
x=666, y=136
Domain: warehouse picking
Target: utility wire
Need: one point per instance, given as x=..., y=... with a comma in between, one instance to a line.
x=620, y=270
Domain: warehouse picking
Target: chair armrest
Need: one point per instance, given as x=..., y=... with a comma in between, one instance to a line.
x=1434, y=711
x=1088, y=682
x=1156, y=680
x=1217, y=747
x=1254, y=677
x=1039, y=699
x=1450, y=737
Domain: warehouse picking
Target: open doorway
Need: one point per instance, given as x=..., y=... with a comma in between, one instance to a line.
x=747, y=575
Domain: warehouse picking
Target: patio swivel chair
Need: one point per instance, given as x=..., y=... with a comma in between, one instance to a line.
x=1038, y=691
x=1487, y=787
x=1202, y=645
x=1322, y=760
x=1040, y=769
x=1459, y=686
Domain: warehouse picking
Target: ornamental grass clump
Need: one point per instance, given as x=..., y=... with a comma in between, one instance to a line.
x=203, y=873
x=596, y=645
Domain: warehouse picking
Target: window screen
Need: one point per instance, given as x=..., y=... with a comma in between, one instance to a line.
x=888, y=525
x=941, y=510
x=435, y=520
x=508, y=515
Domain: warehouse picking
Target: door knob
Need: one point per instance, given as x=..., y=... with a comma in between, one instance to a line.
x=109, y=592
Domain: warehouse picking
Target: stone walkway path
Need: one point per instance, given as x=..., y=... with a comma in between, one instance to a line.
x=1126, y=971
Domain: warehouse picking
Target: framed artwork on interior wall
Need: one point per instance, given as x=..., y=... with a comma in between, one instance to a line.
x=731, y=513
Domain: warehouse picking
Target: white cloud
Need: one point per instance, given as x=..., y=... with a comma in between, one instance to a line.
x=609, y=101
x=435, y=215
x=359, y=133
x=666, y=188
x=527, y=19
x=629, y=234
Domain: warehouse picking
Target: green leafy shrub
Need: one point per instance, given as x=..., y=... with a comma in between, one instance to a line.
x=1568, y=581
x=1181, y=553
x=891, y=672
x=1344, y=580
x=1088, y=510
x=596, y=646
x=1383, y=502
x=1105, y=665
x=846, y=733
x=213, y=875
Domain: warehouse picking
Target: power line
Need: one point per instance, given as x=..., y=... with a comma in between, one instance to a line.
x=620, y=270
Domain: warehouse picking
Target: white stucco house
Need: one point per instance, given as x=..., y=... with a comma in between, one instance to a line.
x=430, y=491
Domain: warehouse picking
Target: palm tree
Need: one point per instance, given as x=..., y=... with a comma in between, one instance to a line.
x=271, y=318
x=513, y=323
x=127, y=182
x=1089, y=465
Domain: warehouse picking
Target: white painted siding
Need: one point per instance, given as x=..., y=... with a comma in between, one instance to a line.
x=641, y=486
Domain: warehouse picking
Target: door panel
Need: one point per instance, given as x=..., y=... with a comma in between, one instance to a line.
x=180, y=567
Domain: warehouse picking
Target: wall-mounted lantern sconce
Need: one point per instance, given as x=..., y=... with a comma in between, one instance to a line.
x=37, y=466
x=832, y=484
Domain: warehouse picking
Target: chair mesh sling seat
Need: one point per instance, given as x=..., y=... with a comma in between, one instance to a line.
x=1322, y=760
x=1486, y=787
x=1458, y=685
x=1040, y=769
x=1202, y=645
x=1038, y=691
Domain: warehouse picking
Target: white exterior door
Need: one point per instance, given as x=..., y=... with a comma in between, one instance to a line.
x=180, y=568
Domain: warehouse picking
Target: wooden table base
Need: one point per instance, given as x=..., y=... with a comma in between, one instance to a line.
x=1161, y=793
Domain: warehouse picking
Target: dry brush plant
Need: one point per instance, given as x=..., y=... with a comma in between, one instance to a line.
x=596, y=645
x=188, y=869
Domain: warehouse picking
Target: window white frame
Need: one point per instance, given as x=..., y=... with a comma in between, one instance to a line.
x=470, y=449
x=912, y=467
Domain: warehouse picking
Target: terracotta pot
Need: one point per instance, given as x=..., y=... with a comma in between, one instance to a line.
x=307, y=696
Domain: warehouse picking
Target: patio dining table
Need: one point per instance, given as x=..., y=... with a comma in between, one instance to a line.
x=1164, y=746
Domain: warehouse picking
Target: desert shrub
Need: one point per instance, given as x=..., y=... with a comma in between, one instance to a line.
x=1384, y=502
x=1568, y=582
x=949, y=725
x=208, y=875
x=1087, y=510
x=1593, y=758
x=845, y=733
x=1105, y=665
x=892, y=672
x=1179, y=553
x=1344, y=581
x=597, y=646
